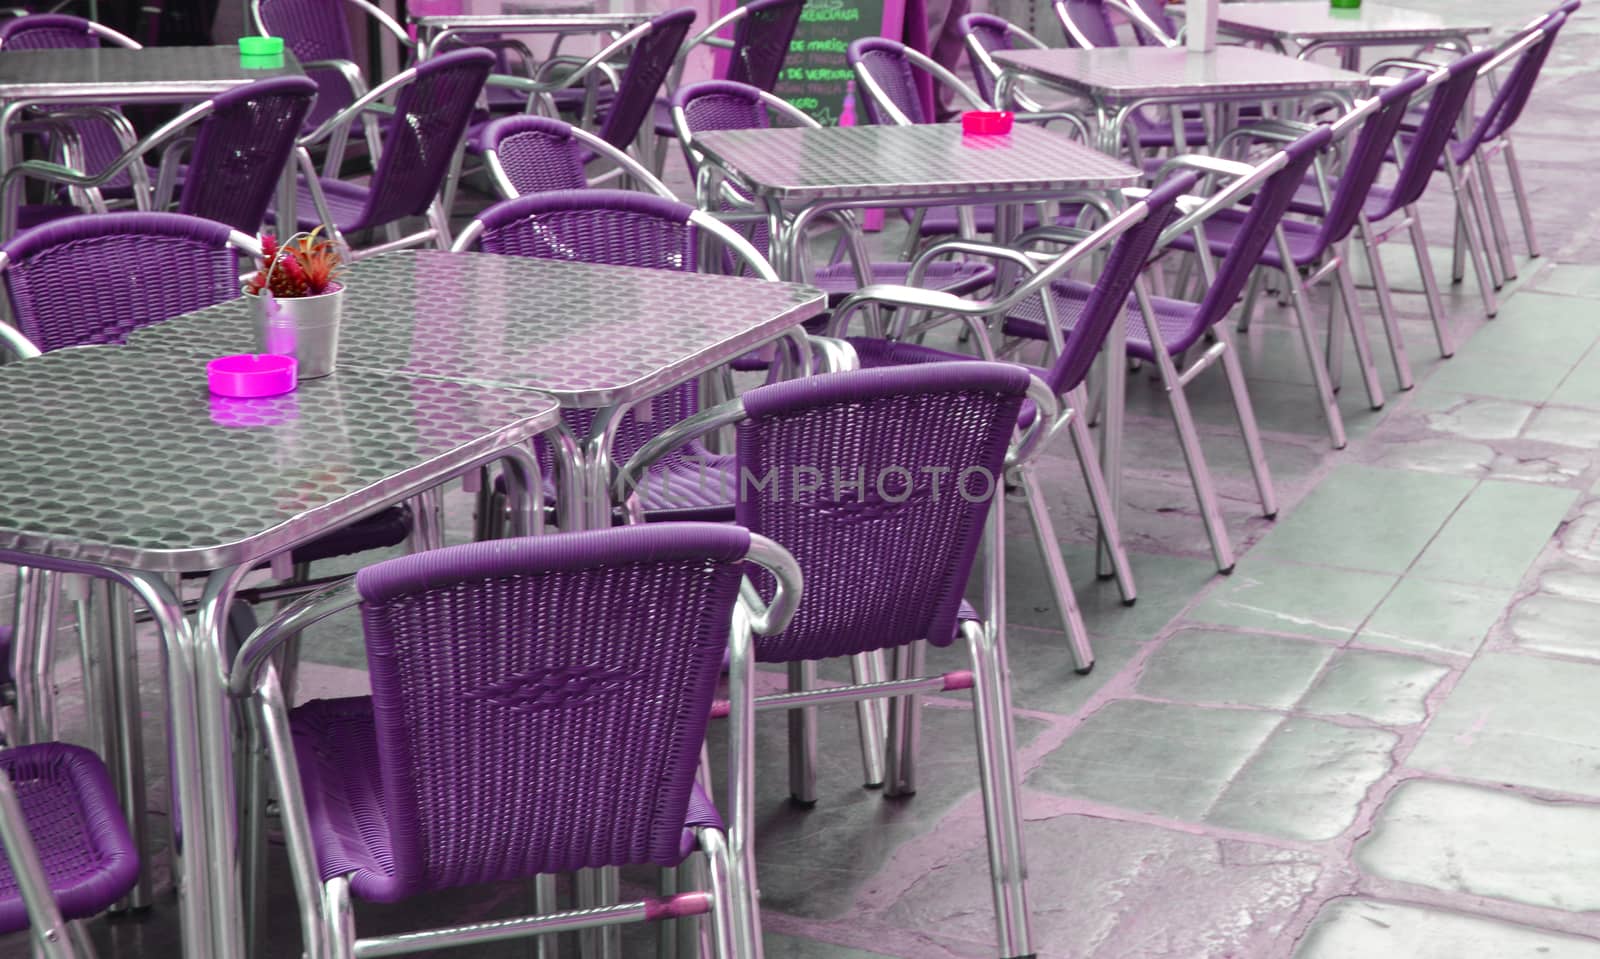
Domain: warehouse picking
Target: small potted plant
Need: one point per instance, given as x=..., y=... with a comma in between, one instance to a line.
x=297, y=300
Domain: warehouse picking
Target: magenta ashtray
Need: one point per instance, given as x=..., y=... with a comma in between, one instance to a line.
x=986, y=122
x=251, y=375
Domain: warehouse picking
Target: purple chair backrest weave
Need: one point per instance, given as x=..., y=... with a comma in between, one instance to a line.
x=540, y=703
x=991, y=33
x=885, y=559
x=1156, y=11
x=1366, y=158
x=1434, y=132
x=615, y=227
x=94, y=279
x=1087, y=23
x=1506, y=107
x=50, y=31
x=761, y=41
x=885, y=62
x=648, y=65
x=1258, y=228
x=1111, y=290
x=538, y=154
x=430, y=118
x=315, y=30
x=725, y=105
x=241, y=149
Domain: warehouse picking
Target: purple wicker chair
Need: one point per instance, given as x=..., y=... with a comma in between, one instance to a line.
x=1310, y=252
x=762, y=31
x=242, y=141
x=419, y=154
x=725, y=105
x=1151, y=25
x=887, y=558
x=572, y=740
x=528, y=154
x=98, y=134
x=68, y=854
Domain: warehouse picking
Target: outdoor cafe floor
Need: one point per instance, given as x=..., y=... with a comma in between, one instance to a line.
x=1378, y=739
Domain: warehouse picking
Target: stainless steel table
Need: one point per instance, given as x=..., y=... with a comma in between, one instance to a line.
x=590, y=336
x=578, y=17
x=1302, y=28
x=113, y=75
x=120, y=465
x=1120, y=80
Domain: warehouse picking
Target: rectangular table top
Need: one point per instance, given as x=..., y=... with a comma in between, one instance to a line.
x=926, y=160
x=588, y=335
x=1370, y=23
x=119, y=456
x=578, y=15
x=115, y=73
x=1126, y=74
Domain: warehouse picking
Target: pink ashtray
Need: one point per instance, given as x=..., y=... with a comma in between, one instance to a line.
x=251, y=375
x=986, y=122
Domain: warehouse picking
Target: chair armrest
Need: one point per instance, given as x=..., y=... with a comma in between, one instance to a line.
x=303, y=613
x=683, y=432
x=1048, y=407
x=21, y=347
x=1045, y=117
x=1216, y=166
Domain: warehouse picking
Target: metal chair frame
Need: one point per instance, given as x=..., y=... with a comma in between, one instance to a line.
x=631, y=169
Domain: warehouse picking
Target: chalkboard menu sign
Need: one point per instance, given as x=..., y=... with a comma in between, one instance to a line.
x=815, y=73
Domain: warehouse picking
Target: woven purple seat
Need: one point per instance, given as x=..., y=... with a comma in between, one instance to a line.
x=77, y=827
x=570, y=741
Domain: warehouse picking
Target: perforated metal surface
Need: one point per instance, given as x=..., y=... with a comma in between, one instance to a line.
x=930, y=160
x=119, y=455
x=115, y=73
x=589, y=335
x=1371, y=23
x=1124, y=74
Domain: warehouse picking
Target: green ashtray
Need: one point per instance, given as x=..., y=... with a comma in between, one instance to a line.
x=260, y=47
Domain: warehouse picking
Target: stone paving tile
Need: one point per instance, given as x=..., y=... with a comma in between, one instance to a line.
x=1383, y=687
x=1359, y=928
x=1133, y=891
x=1287, y=598
x=1565, y=427
x=1582, y=386
x=1442, y=617
x=1306, y=782
x=1568, y=279
x=1360, y=517
x=1489, y=843
x=1495, y=535
x=1209, y=666
x=1557, y=624
x=1512, y=376
x=1518, y=719
x=1537, y=324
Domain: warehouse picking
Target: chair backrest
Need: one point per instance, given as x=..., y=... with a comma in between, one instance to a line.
x=571, y=676
x=1117, y=276
x=51, y=31
x=985, y=33
x=1435, y=131
x=1260, y=224
x=761, y=41
x=879, y=483
x=1506, y=107
x=1365, y=159
x=314, y=30
x=1087, y=23
x=430, y=118
x=95, y=279
x=893, y=77
x=648, y=65
x=241, y=149
x=533, y=154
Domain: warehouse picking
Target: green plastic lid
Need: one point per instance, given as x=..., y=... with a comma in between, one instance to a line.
x=261, y=46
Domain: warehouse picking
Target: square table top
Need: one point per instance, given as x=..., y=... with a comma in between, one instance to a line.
x=1126, y=74
x=926, y=160
x=119, y=456
x=588, y=335
x=1370, y=23
x=118, y=74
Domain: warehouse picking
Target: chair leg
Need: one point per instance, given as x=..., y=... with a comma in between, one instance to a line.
x=905, y=725
x=1467, y=219
x=1486, y=241
x=997, y=776
x=1056, y=570
x=1248, y=310
x=128, y=728
x=338, y=919
x=1430, y=285
x=1497, y=220
x=870, y=719
x=803, y=737
x=1205, y=491
x=1246, y=414
x=1319, y=371
x=82, y=942
x=1391, y=325
x=1520, y=193
x=727, y=902
x=1346, y=288
x=1100, y=498
x=253, y=835
x=545, y=904
x=658, y=158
